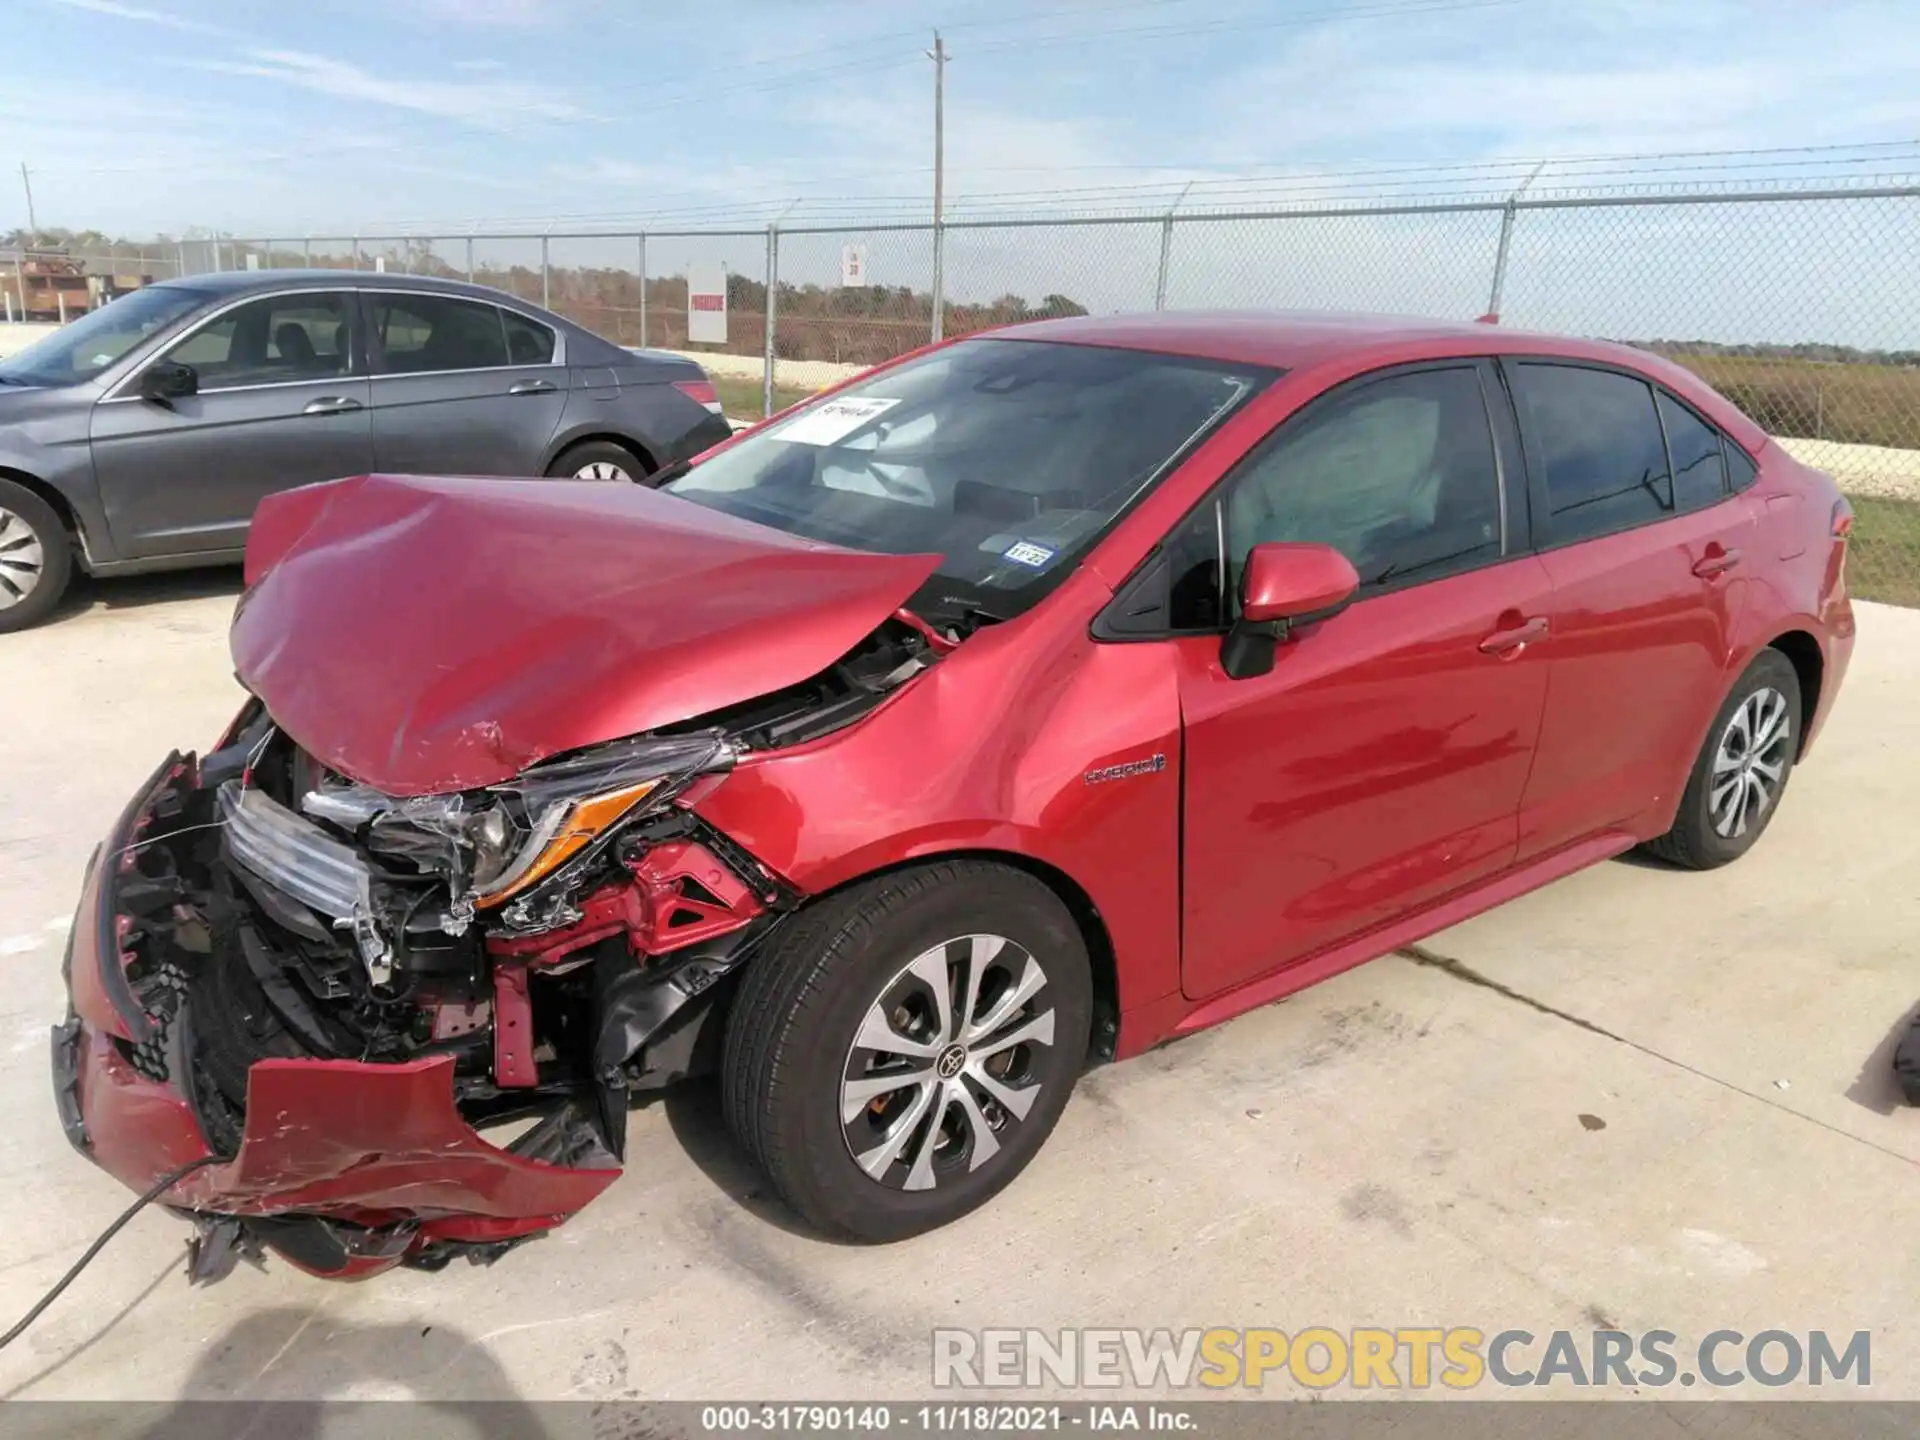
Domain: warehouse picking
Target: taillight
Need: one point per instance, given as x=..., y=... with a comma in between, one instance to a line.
x=1842, y=519
x=701, y=392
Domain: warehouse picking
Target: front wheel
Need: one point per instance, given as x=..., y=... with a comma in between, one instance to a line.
x=906, y=1046
x=35, y=557
x=1741, y=771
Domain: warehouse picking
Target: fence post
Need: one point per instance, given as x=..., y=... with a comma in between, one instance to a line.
x=306, y=252
x=546, y=278
x=773, y=286
x=1500, y=262
x=1507, y=215
x=939, y=277
x=356, y=252
x=1166, y=247
x=469, y=259
x=643, y=289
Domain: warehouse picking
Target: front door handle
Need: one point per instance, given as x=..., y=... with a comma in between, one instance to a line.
x=1717, y=561
x=530, y=387
x=331, y=405
x=1515, y=638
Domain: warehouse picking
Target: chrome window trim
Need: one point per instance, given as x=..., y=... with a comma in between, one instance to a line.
x=134, y=366
x=242, y=389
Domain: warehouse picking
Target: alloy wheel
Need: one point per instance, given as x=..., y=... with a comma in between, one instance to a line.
x=22, y=560
x=941, y=1073
x=1750, y=763
x=601, y=470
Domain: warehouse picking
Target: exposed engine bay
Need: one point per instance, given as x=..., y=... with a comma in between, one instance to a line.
x=565, y=939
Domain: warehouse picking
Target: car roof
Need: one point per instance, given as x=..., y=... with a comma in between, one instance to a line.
x=1303, y=340
x=240, y=282
x=1295, y=339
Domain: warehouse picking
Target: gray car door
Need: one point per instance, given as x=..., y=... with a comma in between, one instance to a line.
x=461, y=387
x=282, y=401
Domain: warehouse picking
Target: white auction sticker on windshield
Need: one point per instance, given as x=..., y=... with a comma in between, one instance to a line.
x=834, y=421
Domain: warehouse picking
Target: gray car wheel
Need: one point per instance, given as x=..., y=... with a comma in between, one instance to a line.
x=35, y=557
x=598, y=460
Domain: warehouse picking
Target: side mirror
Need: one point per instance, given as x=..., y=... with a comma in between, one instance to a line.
x=1282, y=585
x=169, y=380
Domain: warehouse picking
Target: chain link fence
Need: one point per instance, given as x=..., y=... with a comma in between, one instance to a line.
x=1802, y=306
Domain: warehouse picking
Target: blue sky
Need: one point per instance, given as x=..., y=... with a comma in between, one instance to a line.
x=145, y=116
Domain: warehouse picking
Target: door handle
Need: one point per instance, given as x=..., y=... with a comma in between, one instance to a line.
x=331, y=405
x=1516, y=638
x=1717, y=561
x=530, y=387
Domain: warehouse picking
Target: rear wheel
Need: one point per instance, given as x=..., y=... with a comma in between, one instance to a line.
x=907, y=1046
x=598, y=460
x=1742, y=770
x=35, y=557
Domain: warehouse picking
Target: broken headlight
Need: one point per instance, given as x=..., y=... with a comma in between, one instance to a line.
x=555, y=811
x=494, y=844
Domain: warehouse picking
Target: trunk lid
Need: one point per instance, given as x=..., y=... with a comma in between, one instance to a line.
x=425, y=634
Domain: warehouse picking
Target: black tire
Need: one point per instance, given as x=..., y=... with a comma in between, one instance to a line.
x=575, y=458
x=27, y=596
x=791, y=1045
x=1699, y=840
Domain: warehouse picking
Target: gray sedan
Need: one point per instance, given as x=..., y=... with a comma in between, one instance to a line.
x=142, y=436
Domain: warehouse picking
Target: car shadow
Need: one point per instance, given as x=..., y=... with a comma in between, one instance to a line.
x=315, y=1355
x=693, y=1113
x=1876, y=1088
x=88, y=594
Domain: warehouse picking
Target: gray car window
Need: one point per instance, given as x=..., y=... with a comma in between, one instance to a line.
x=423, y=333
x=275, y=340
x=528, y=341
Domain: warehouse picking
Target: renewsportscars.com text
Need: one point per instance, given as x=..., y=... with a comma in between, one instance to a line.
x=1400, y=1358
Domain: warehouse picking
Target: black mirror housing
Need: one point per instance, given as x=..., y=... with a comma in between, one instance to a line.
x=169, y=380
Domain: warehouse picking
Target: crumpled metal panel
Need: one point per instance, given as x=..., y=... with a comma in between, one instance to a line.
x=428, y=634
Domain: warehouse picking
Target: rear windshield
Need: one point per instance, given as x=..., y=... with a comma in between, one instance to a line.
x=1008, y=458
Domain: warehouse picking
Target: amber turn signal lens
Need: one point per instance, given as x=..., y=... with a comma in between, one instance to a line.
x=583, y=823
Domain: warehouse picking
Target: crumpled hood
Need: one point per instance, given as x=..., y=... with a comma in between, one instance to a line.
x=426, y=634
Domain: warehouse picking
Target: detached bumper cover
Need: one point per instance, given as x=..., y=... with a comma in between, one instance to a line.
x=348, y=1146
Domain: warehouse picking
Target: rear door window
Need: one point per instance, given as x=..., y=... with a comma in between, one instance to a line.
x=1699, y=478
x=419, y=334
x=1599, y=436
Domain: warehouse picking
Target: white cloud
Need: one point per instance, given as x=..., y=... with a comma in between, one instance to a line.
x=141, y=14
x=492, y=104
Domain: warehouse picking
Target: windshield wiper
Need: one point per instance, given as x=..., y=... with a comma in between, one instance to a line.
x=667, y=475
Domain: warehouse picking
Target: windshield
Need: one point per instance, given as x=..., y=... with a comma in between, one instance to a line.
x=1008, y=458
x=90, y=344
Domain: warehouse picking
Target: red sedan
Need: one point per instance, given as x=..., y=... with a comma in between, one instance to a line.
x=1021, y=705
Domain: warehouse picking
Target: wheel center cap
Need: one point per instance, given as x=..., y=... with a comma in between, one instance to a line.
x=951, y=1060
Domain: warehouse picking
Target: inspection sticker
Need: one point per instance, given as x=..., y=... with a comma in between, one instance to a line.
x=1025, y=552
x=833, y=421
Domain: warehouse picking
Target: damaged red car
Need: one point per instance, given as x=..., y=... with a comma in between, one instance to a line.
x=1024, y=704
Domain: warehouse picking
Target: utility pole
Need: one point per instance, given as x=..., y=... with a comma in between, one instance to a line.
x=939, y=57
x=33, y=225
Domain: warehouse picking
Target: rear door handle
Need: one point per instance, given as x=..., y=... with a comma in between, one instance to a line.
x=530, y=387
x=331, y=405
x=1515, y=638
x=1717, y=561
